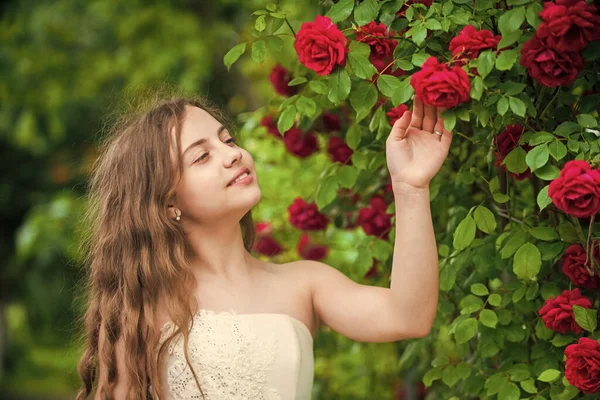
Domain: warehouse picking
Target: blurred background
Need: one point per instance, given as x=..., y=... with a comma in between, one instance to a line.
x=64, y=65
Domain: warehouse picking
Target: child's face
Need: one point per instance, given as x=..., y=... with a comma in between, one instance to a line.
x=203, y=194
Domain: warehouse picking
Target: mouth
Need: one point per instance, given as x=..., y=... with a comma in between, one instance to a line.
x=240, y=177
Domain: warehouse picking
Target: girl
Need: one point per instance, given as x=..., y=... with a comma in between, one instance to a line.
x=179, y=308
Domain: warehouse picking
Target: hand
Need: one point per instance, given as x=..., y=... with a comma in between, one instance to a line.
x=414, y=153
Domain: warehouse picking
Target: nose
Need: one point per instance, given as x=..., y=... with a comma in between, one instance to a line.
x=234, y=155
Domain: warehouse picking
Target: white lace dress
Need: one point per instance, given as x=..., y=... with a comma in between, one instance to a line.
x=241, y=356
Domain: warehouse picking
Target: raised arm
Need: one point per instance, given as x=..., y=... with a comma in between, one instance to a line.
x=406, y=309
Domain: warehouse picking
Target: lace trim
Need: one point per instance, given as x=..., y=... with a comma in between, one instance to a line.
x=230, y=358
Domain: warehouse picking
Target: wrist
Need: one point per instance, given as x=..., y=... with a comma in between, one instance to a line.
x=401, y=188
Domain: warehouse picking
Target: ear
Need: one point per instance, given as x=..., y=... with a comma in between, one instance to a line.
x=171, y=212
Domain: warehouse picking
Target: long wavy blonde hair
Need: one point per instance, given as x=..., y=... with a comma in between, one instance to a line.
x=136, y=254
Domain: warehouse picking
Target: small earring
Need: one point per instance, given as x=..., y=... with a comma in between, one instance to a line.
x=177, y=215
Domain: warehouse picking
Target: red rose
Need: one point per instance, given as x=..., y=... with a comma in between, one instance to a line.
x=381, y=65
x=299, y=143
x=268, y=122
x=306, y=216
x=577, y=189
x=331, y=122
x=573, y=266
x=374, y=219
x=376, y=37
x=569, y=25
x=548, y=66
x=280, y=77
x=264, y=228
x=470, y=42
x=268, y=246
x=440, y=86
x=582, y=365
x=321, y=45
x=339, y=150
x=396, y=113
x=507, y=141
x=309, y=250
x=557, y=313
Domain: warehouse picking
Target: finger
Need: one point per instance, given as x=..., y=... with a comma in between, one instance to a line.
x=417, y=114
x=439, y=126
x=401, y=126
x=430, y=118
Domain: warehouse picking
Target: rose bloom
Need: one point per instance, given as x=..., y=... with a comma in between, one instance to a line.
x=309, y=250
x=557, y=313
x=299, y=143
x=548, y=66
x=437, y=85
x=582, y=365
x=320, y=45
x=306, y=216
x=375, y=36
x=374, y=220
x=577, y=189
x=573, y=266
x=569, y=25
x=331, y=122
x=470, y=42
x=268, y=122
x=280, y=77
x=268, y=246
x=507, y=141
x=339, y=150
x=396, y=113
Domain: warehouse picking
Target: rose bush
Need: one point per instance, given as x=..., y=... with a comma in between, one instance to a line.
x=515, y=206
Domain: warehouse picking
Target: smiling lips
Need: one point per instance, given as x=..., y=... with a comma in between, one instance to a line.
x=241, y=174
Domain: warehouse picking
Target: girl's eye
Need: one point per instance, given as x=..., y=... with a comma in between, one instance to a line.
x=232, y=140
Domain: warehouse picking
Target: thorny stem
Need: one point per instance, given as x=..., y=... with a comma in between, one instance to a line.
x=550, y=102
x=290, y=26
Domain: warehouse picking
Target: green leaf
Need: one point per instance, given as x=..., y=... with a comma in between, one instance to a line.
x=477, y=88
x=382, y=250
x=516, y=240
x=517, y=106
x=362, y=99
x=509, y=392
x=528, y=385
x=464, y=233
x=432, y=375
x=449, y=376
x=465, y=330
x=340, y=11
x=353, y=136
x=433, y=25
x=403, y=94
x=557, y=149
x=495, y=299
x=479, y=289
x=488, y=318
x=527, y=262
x=388, y=85
x=548, y=172
x=261, y=23
x=359, y=61
x=404, y=65
x=587, y=121
x=541, y=137
x=546, y=233
x=506, y=60
x=339, y=86
x=502, y=105
x=449, y=117
x=587, y=318
x=511, y=88
x=318, y=87
x=233, y=54
x=419, y=34
x=484, y=219
x=286, y=119
x=326, y=191
x=509, y=39
x=366, y=12
x=274, y=43
x=537, y=157
x=297, y=81
x=549, y=375
x=306, y=106
x=419, y=59
x=518, y=294
x=447, y=276
x=515, y=160
x=486, y=62
x=511, y=20
x=532, y=14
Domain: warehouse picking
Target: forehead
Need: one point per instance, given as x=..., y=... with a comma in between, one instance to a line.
x=197, y=124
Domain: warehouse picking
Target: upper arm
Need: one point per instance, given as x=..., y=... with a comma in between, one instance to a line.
x=122, y=386
x=360, y=312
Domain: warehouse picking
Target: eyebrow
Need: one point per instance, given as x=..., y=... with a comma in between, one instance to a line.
x=202, y=141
